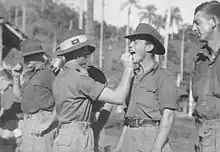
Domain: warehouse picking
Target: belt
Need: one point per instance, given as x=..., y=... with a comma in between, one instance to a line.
x=134, y=122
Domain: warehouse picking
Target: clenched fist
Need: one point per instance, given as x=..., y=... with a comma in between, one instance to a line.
x=127, y=60
x=17, y=70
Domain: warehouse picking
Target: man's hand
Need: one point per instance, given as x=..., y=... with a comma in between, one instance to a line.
x=41, y=128
x=17, y=70
x=7, y=134
x=55, y=69
x=127, y=60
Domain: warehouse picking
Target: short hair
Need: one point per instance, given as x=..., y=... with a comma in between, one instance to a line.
x=211, y=8
x=81, y=52
x=7, y=74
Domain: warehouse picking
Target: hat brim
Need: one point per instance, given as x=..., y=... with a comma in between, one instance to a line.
x=89, y=43
x=159, y=48
x=32, y=53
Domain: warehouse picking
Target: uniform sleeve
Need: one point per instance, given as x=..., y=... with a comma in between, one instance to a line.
x=90, y=88
x=167, y=94
x=7, y=99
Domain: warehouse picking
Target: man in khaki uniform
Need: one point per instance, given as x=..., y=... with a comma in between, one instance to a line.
x=206, y=80
x=36, y=96
x=152, y=97
x=75, y=93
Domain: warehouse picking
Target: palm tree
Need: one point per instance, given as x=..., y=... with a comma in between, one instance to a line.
x=159, y=22
x=175, y=19
x=24, y=16
x=129, y=4
x=148, y=13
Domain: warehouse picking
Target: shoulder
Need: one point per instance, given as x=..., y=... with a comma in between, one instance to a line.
x=165, y=74
x=43, y=75
x=67, y=75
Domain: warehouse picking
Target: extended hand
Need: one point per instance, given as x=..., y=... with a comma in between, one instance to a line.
x=40, y=129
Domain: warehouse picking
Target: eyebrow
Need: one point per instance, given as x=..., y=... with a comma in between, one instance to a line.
x=195, y=21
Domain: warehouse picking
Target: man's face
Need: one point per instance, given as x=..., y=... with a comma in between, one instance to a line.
x=202, y=26
x=139, y=48
x=84, y=59
x=4, y=84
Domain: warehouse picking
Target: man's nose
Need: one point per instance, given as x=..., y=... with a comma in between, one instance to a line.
x=131, y=44
x=194, y=28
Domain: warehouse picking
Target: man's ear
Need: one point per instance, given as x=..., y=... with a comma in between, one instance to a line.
x=149, y=47
x=214, y=21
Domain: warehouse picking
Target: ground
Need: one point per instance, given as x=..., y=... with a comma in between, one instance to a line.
x=182, y=137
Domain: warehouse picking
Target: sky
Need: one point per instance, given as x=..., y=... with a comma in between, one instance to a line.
x=114, y=16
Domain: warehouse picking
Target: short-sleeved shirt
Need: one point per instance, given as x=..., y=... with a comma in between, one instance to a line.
x=74, y=92
x=206, y=84
x=151, y=93
x=37, y=90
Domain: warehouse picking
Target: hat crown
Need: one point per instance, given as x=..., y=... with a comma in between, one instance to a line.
x=144, y=28
x=31, y=46
x=71, y=41
x=67, y=34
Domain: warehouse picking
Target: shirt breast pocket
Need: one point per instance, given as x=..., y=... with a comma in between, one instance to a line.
x=147, y=92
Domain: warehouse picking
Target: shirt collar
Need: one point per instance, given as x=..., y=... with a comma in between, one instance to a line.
x=77, y=67
x=212, y=58
x=149, y=71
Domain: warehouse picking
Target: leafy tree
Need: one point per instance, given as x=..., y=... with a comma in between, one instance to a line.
x=148, y=13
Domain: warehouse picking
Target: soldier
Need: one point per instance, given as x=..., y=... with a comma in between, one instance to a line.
x=75, y=92
x=9, y=111
x=36, y=96
x=152, y=97
x=205, y=87
x=6, y=80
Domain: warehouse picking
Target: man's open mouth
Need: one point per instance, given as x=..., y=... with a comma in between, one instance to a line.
x=132, y=52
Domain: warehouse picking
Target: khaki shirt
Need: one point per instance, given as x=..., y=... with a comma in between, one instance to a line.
x=74, y=92
x=151, y=93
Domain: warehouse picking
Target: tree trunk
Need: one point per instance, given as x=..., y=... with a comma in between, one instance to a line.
x=128, y=27
x=71, y=25
x=42, y=5
x=101, y=36
x=182, y=55
x=16, y=15
x=81, y=8
x=1, y=43
x=89, y=27
x=166, y=40
x=24, y=17
x=191, y=100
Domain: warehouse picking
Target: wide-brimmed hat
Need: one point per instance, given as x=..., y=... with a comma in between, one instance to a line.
x=147, y=32
x=72, y=41
x=30, y=47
